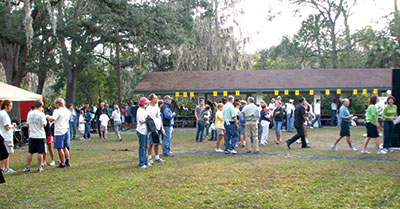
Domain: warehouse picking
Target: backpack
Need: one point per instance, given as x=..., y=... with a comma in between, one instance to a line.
x=151, y=126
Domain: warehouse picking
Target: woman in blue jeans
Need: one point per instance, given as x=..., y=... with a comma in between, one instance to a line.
x=141, y=131
x=203, y=121
x=278, y=118
x=88, y=119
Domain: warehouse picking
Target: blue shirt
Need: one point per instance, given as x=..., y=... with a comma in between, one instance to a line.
x=344, y=112
x=229, y=112
x=167, y=114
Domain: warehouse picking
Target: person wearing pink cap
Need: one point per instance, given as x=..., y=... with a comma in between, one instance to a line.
x=141, y=131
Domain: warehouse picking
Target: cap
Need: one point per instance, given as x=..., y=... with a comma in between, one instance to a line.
x=291, y=100
x=143, y=100
x=167, y=97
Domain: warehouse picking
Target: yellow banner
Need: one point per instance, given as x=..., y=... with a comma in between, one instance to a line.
x=237, y=93
x=177, y=94
x=355, y=91
x=375, y=91
x=276, y=92
x=225, y=93
x=365, y=91
x=215, y=93
x=339, y=91
x=286, y=92
x=311, y=92
x=184, y=94
x=297, y=92
x=191, y=94
x=327, y=92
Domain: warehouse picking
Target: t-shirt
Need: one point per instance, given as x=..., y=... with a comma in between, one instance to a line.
x=371, y=112
x=289, y=108
x=333, y=106
x=263, y=115
x=204, y=116
x=81, y=123
x=219, y=120
x=154, y=113
x=61, y=118
x=104, y=119
x=389, y=112
x=299, y=114
x=141, y=115
x=344, y=112
x=5, y=121
x=317, y=108
x=36, y=121
x=278, y=114
x=229, y=112
x=116, y=115
x=198, y=110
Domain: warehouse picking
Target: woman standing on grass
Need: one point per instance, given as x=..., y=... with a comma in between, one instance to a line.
x=372, y=125
x=205, y=118
x=88, y=117
x=116, y=117
x=81, y=125
x=389, y=114
x=265, y=120
x=219, y=126
x=141, y=131
x=278, y=117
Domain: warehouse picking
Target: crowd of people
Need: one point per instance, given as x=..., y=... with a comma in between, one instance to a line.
x=237, y=122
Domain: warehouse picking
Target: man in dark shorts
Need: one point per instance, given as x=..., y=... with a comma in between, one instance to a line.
x=36, y=122
x=346, y=118
x=300, y=117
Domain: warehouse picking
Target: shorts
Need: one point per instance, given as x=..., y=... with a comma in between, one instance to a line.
x=49, y=140
x=345, y=128
x=36, y=146
x=242, y=128
x=372, y=130
x=103, y=128
x=117, y=127
x=220, y=131
x=9, y=146
x=151, y=139
x=128, y=119
x=62, y=141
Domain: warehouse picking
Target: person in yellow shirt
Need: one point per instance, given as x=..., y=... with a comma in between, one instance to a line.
x=219, y=125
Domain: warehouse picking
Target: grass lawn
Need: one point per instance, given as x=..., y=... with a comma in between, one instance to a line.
x=112, y=179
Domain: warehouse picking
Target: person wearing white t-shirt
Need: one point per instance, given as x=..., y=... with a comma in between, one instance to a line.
x=154, y=112
x=36, y=122
x=317, y=113
x=334, y=107
x=103, y=124
x=7, y=132
x=141, y=131
x=290, y=115
x=81, y=125
x=62, y=142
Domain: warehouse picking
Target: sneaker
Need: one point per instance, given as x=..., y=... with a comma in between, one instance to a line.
x=160, y=160
x=52, y=163
x=307, y=142
x=385, y=150
x=8, y=171
x=44, y=164
x=298, y=141
x=27, y=170
x=227, y=152
x=354, y=149
x=61, y=166
x=150, y=161
x=382, y=152
x=333, y=147
x=233, y=152
x=40, y=170
x=365, y=152
x=149, y=164
x=143, y=166
x=219, y=150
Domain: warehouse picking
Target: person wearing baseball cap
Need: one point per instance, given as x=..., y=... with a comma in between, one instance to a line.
x=197, y=111
x=141, y=131
x=168, y=123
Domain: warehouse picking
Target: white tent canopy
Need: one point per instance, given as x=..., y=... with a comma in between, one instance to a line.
x=15, y=94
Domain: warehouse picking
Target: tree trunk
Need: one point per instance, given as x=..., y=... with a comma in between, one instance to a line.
x=334, y=47
x=42, y=75
x=72, y=77
x=118, y=74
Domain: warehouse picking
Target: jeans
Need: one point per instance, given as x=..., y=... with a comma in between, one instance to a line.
x=333, y=117
x=260, y=131
x=317, y=119
x=200, y=131
x=87, y=130
x=278, y=127
x=388, y=129
x=214, y=135
x=311, y=117
x=300, y=134
x=72, y=129
x=143, y=146
x=207, y=127
x=232, y=136
x=167, y=140
x=289, y=123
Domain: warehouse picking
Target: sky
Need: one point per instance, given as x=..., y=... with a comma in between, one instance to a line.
x=263, y=33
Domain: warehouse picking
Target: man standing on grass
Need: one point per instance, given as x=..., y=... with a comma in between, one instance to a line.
x=300, y=116
x=251, y=113
x=197, y=111
x=168, y=123
x=346, y=118
x=37, y=136
x=62, y=141
x=231, y=126
x=99, y=111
